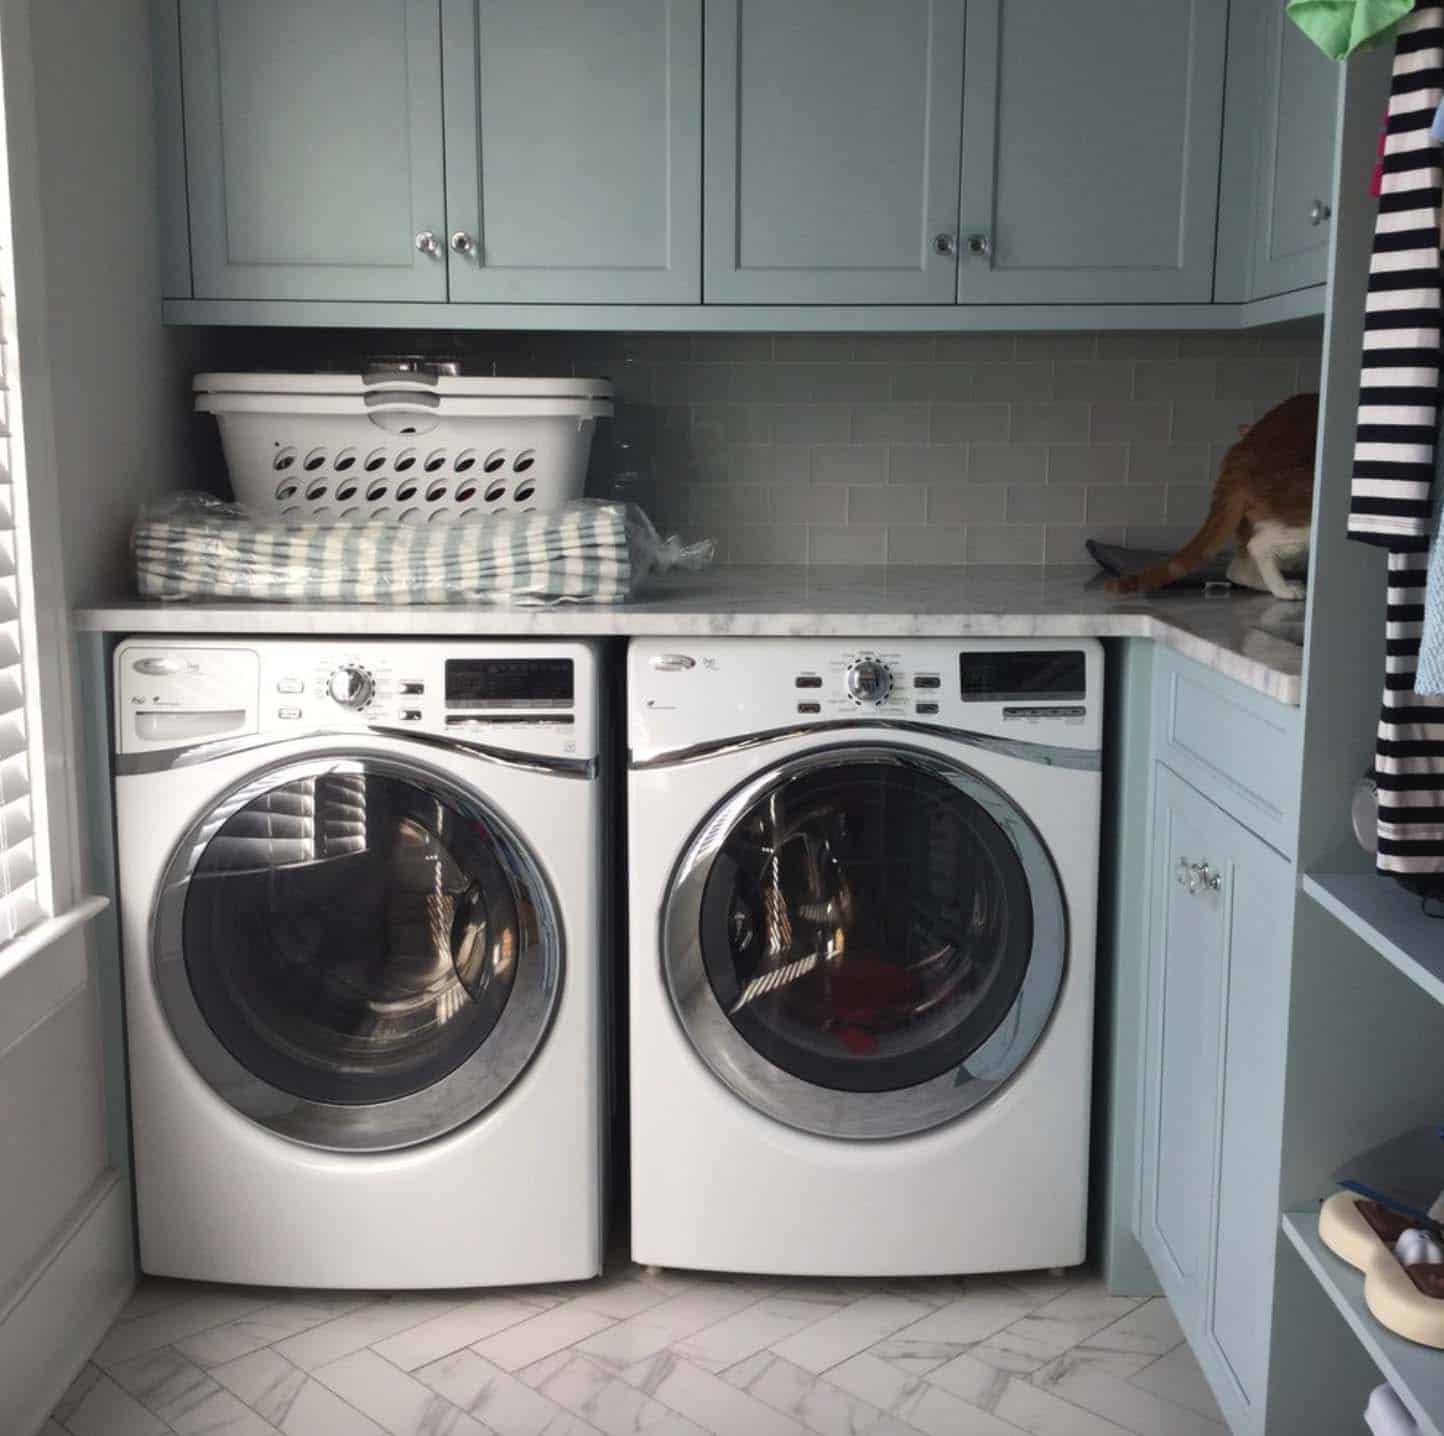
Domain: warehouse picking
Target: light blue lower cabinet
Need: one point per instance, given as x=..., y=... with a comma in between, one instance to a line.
x=1185, y=981
x=1220, y=913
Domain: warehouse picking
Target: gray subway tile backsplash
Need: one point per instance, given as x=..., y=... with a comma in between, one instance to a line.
x=926, y=543
x=916, y=448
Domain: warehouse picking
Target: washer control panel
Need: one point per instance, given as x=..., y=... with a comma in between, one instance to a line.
x=524, y=696
x=691, y=693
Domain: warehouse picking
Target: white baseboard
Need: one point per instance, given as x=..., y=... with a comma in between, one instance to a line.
x=55, y=1317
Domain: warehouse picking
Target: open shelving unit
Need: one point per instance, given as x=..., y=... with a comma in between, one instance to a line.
x=1415, y=1372
x=1364, y=1043
x=1390, y=919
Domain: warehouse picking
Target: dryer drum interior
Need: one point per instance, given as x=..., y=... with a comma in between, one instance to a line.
x=354, y=952
x=880, y=926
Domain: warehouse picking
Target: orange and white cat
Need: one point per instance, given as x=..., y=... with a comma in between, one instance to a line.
x=1263, y=501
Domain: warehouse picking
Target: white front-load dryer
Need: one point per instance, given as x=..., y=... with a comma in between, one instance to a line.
x=361, y=906
x=863, y=886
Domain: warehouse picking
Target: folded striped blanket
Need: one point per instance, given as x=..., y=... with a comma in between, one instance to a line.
x=194, y=546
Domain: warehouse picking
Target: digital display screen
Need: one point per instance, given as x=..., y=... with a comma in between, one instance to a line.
x=509, y=682
x=1007, y=677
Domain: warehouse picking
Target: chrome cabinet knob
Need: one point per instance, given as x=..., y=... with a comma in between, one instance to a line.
x=980, y=246
x=1319, y=212
x=428, y=243
x=1205, y=878
x=945, y=244
x=462, y=242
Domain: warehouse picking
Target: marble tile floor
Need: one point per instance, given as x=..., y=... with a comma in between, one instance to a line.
x=666, y=1353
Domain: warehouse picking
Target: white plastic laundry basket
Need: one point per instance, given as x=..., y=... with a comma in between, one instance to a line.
x=403, y=446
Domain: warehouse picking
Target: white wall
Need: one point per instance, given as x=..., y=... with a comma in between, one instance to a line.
x=111, y=428
x=121, y=380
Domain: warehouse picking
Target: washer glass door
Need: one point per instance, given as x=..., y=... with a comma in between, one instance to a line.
x=866, y=941
x=356, y=953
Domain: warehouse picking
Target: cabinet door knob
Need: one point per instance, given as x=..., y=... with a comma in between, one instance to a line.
x=1208, y=879
x=1319, y=212
x=980, y=245
x=428, y=243
x=462, y=242
x=945, y=244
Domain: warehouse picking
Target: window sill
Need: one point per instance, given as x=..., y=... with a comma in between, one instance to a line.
x=34, y=940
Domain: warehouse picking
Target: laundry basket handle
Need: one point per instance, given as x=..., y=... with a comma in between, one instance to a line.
x=402, y=401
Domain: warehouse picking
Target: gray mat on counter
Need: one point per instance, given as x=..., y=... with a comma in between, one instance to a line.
x=1117, y=560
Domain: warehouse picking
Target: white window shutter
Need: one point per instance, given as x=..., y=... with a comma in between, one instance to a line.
x=23, y=891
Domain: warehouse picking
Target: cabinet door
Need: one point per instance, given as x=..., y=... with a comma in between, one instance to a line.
x=574, y=150
x=1091, y=150
x=832, y=151
x=1257, y=901
x=1185, y=996
x=1301, y=93
x=313, y=148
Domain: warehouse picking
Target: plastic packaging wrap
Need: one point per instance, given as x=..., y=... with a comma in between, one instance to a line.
x=192, y=545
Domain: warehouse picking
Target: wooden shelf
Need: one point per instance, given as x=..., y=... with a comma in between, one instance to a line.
x=1415, y=1372
x=1389, y=919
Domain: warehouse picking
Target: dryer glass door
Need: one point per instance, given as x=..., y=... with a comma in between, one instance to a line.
x=867, y=941
x=356, y=954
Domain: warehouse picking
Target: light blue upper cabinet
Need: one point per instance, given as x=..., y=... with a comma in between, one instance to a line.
x=832, y=151
x=1296, y=163
x=313, y=148
x=574, y=150
x=1091, y=150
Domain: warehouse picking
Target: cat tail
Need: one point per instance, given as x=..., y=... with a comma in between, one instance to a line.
x=1219, y=528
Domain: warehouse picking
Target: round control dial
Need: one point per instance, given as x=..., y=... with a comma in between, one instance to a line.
x=351, y=686
x=869, y=681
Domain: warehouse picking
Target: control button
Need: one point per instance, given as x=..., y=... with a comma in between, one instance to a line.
x=351, y=686
x=1052, y=711
x=411, y=688
x=808, y=680
x=927, y=707
x=290, y=685
x=288, y=712
x=410, y=715
x=672, y=662
x=159, y=667
x=927, y=680
x=809, y=707
x=869, y=680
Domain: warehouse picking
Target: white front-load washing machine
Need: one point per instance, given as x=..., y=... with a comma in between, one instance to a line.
x=863, y=884
x=363, y=930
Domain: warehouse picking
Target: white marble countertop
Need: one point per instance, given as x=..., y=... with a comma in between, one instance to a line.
x=1249, y=637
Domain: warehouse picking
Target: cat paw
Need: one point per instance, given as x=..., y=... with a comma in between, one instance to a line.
x=1292, y=592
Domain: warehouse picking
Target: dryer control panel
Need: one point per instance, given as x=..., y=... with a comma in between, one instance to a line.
x=537, y=698
x=685, y=694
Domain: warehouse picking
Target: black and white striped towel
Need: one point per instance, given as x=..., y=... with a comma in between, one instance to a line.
x=1396, y=443
x=195, y=547
x=1409, y=755
x=1399, y=385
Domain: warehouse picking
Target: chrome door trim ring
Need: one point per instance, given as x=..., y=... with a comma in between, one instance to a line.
x=129, y=764
x=822, y=1111
x=464, y=1093
x=1087, y=760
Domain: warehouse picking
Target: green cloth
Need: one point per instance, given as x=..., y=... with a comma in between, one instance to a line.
x=1339, y=27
